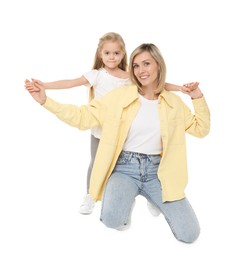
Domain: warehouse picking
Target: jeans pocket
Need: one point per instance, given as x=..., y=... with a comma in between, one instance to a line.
x=122, y=160
x=155, y=160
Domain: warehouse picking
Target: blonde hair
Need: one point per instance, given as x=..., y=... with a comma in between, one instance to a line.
x=157, y=56
x=98, y=62
x=110, y=37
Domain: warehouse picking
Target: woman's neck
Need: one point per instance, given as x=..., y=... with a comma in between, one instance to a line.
x=150, y=93
x=152, y=96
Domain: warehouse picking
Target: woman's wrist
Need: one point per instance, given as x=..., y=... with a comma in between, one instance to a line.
x=196, y=97
x=43, y=101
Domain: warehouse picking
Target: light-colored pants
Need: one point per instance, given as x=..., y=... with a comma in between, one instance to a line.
x=94, y=146
x=136, y=174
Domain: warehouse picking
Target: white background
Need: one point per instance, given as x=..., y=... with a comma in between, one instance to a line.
x=43, y=162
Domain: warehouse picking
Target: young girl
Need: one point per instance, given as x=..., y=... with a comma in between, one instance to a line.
x=109, y=71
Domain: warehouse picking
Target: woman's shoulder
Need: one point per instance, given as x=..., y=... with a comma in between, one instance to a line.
x=171, y=97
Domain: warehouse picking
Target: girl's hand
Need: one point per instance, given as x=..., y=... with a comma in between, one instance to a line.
x=192, y=90
x=38, y=94
x=187, y=88
x=33, y=86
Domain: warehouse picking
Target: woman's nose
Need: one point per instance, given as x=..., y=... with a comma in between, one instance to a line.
x=141, y=69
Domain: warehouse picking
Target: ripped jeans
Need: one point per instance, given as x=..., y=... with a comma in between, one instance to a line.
x=136, y=174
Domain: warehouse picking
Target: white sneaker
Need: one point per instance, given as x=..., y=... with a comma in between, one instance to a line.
x=153, y=209
x=87, y=206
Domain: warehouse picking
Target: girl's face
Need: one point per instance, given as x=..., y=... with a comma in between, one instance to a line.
x=145, y=69
x=111, y=54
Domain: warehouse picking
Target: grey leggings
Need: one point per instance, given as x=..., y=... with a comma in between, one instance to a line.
x=94, y=146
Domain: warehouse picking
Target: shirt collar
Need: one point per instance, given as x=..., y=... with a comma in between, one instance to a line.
x=167, y=97
x=131, y=94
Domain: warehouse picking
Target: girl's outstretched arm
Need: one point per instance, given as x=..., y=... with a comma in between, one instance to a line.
x=60, y=84
x=186, y=88
x=172, y=87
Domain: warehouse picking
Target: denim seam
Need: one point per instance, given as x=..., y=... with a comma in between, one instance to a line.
x=168, y=221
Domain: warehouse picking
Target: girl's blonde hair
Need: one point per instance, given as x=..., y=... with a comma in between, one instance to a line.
x=110, y=37
x=98, y=62
x=157, y=56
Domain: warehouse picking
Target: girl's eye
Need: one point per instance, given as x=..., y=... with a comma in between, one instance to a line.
x=146, y=64
x=135, y=66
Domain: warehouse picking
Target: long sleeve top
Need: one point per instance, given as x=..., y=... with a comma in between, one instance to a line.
x=115, y=112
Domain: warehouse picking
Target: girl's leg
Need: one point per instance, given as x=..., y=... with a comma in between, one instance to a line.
x=94, y=146
x=88, y=203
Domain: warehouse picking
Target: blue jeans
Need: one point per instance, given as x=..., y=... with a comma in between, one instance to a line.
x=136, y=174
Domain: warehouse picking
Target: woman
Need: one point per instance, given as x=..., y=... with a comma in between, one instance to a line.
x=142, y=149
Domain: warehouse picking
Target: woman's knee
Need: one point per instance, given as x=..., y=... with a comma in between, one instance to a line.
x=189, y=235
x=118, y=217
x=113, y=220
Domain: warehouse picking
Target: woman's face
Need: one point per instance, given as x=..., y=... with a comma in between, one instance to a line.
x=145, y=69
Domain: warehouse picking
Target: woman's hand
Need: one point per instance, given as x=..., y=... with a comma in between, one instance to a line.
x=192, y=90
x=33, y=85
x=38, y=93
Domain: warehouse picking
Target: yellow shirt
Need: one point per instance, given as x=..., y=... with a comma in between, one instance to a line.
x=115, y=113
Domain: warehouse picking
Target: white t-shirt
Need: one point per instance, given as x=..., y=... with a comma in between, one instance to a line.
x=144, y=134
x=103, y=83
